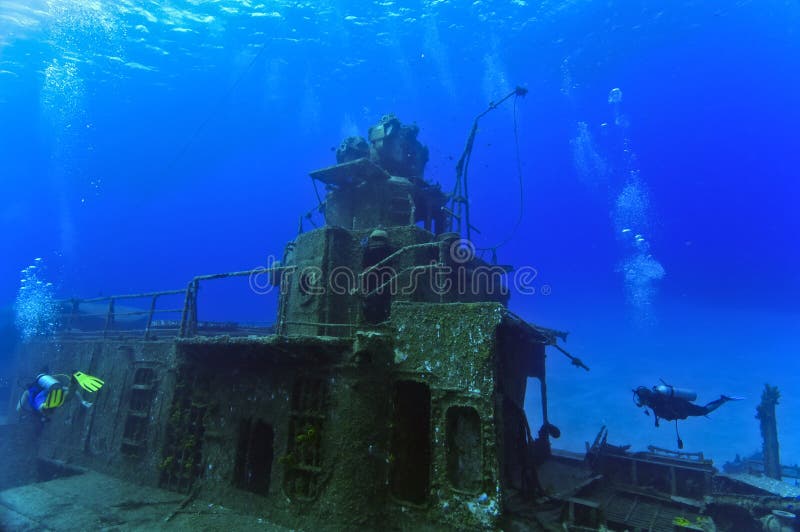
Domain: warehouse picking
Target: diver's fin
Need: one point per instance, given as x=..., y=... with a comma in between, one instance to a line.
x=729, y=398
x=55, y=398
x=88, y=382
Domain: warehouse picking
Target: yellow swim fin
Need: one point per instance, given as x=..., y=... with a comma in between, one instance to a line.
x=87, y=382
x=55, y=398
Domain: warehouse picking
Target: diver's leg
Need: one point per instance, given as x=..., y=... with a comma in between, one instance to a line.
x=713, y=405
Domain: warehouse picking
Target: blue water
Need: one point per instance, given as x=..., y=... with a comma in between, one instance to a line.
x=142, y=143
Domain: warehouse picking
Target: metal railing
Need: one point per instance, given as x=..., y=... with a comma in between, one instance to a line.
x=155, y=322
x=189, y=324
x=73, y=317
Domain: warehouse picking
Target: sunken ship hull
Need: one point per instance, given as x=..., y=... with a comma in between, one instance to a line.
x=387, y=396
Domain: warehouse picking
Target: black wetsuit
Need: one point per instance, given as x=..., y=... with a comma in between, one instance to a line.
x=673, y=408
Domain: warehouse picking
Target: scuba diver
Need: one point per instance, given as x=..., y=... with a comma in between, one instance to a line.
x=48, y=392
x=672, y=404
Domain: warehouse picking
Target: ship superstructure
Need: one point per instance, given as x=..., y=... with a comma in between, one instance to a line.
x=388, y=394
x=390, y=389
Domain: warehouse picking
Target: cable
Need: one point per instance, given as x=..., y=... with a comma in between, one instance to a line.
x=320, y=203
x=521, y=196
x=220, y=102
x=462, y=170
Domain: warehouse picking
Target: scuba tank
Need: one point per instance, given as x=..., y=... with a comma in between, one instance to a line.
x=51, y=395
x=671, y=391
x=45, y=381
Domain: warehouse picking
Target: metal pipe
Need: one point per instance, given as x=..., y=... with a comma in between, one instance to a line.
x=398, y=274
x=124, y=296
x=212, y=276
x=395, y=254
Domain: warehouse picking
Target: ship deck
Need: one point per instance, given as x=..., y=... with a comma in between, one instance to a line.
x=93, y=501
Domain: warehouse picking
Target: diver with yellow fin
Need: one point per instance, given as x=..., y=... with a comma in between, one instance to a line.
x=48, y=392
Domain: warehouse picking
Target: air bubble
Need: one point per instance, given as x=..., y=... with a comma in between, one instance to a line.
x=592, y=168
x=36, y=310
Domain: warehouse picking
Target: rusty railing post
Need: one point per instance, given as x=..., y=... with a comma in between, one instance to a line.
x=189, y=316
x=193, y=315
x=150, y=318
x=75, y=304
x=109, y=318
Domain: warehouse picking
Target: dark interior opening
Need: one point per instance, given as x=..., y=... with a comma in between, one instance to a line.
x=377, y=301
x=182, y=459
x=411, y=437
x=254, y=455
x=303, y=465
x=464, y=456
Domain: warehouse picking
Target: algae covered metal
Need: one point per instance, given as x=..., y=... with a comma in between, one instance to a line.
x=387, y=395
